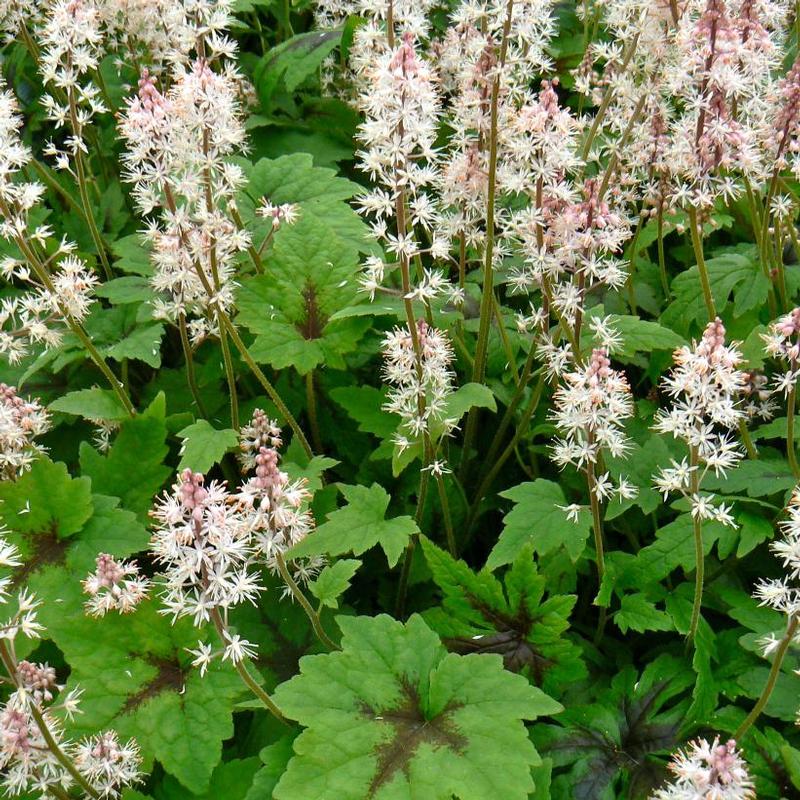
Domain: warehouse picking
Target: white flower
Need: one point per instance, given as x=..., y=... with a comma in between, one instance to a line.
x=708, y=772
x=202, y=657
x=237, y=649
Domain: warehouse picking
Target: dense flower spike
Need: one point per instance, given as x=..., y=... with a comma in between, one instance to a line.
x=61, y=285
x=590, y=408
x=418, y=392
x=114, y=585
x=205, y=542
x=708, y=772
x=21, y=421
x=705, y=386
x=178, y=144
x=276, y=505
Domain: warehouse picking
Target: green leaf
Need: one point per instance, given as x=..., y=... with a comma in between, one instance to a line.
x=637, y=613
x=479, y=615
x=672, y=548
x=639, y=335
x=143, y=343
x=321, y=194
x=231, y=780
x=132, y=256
x=420, y=722
x=731, y=272
x=536, y=520
x=46, y=499
x=136, y=678
x=470, y=395
x=275, y=758
x=313, y=272
x=334, y=581
x=294, y=60
x=357, y=527
x=133, y=469
x=365, y=405
x=128, y=289
x=758, y=478
x=203, y=446
x=100, y=404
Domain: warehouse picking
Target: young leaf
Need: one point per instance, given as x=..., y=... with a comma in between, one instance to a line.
x=420, y=722
x=639, y=614
x=203, y=445
x=536, y=520
x=357, y=527
x=334, y=581
x=93, y=403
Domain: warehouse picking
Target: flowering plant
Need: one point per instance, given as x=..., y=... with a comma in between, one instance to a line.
x=398, y=399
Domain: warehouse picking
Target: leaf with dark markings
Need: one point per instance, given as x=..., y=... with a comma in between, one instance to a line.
x=393, y=714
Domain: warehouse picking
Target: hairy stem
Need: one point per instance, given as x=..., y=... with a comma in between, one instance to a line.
x=699, y=556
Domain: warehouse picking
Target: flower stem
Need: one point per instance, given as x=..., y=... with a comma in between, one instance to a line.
x=190, y=373
x=487, y=290
x=298, y=595
x=697, y=244
x=772, y=679
x=244, y=673
x=448, y=520
x=747, y=441
x=405, y=571
x=311, y=409
x=265, y=383
x=699, y=556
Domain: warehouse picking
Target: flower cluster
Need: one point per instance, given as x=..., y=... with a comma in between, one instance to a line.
x=21, y=421
x=205, y=543
x=34, y=751
x=276, y=504
x=60, y=286
x=705, y=386
x=71, y=39
x=782, y=342
x=417, y=368
x=176, y=159
x=589, y=409
x=783, y=594
x=114, y=586
x=708, y=772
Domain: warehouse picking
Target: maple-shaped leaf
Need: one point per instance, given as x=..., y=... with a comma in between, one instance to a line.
x=46, y=500
x=60, y=537
x=481, y=615
x=394, y=715
x=536, y=519
x=610, y=741
x=136, y=677
x=357, y=527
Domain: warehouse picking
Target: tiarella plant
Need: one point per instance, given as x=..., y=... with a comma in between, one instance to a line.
x=399, y=399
